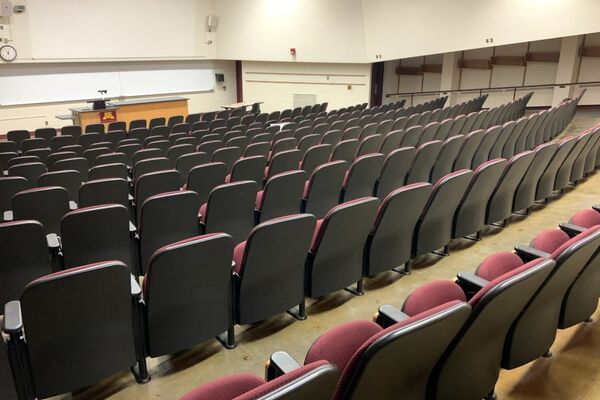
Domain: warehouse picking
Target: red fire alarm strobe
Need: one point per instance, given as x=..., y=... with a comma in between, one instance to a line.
x=293, y=51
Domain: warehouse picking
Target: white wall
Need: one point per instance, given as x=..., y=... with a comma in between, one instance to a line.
x=408, y=28
x=329, y=31
x=275, y=83
x=39, y=115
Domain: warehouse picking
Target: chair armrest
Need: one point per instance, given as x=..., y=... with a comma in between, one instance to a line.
x=13, y=321
x=7, y=216
x=72, y=205
x=388, y=315
x=132, y=228
x=470, y=283
x=596, y=207
x=52, y=241
x=130, y=198
x=529, y=253
x=471, y=279
x=136, y=290
x=571, y=229
x=279, y=364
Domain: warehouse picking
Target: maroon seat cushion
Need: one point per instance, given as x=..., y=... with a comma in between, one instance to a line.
x=339, y=344
x=475, y=299
x=227, y=388
x=238, y=256
x=549, y=240
x=586, y=218
x=275, y=384
x=259, y=198
x=432, y=295
x=202, y=212
x=498, y=264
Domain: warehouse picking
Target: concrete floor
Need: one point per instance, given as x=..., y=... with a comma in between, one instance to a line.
x=572, y=373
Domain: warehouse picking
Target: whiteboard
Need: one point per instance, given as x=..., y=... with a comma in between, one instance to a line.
x=91, y=29
x=49, y=83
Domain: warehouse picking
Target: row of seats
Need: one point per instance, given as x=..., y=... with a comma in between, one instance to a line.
x=451, y=338
x=503, y=315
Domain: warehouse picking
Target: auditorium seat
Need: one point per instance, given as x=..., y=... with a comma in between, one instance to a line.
x=176, y=151
x=248, y=169
x=182, y=277
x=470, y=214
x=563, y=175
x=524, y=195
x=150, y=165
x=230, y=209
x=18, y=136
x=93, y=153
x=446, y=157
x=162, y=131
x=361, y=177
x=95, y=128
x=545, y=186
x=281, y=196
x=34, y=143
x=97, y=233
x=166, y=218
x=470, y=366
x=500, y=204
x=335, y=259
x=390, y=142
x=315, y=381
x=498, y=147
x=315, y=156
x=9, y=186
x=5, y=158
x=70, y=180
x=534, y=332
x=345, y=150
x=425, y=158
x=322, y=190
x=45, y=133
x=411, y=136
x=590, y=161
x=202, y=179
x=467, y=152
x=104, y=191
x=68, y=347
x=443, y=130
x=228, y=156
x=115, y=170
x=210, y=147
x=394, y=170
x=434, y=227
x=145, y=154
x=482, y=154
x=26, y=205
x=110, y=158
x=389, y=244
x=140, y=133
x=23, y=160
x=269, y=269
x=25, y=257
x=154, y=183
x=385, y=362
x=57, y=142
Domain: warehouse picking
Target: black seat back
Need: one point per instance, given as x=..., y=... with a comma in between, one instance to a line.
x=282, y=195
x=390, y=241
x=204, y=178
x=323, y=189
x=65, y=315
x=230, y=209
x=335, y=259
x=167, y=218
x=182, y=278
x=394, y=171
x=26, y=205
x=104, y=191
x=94, y=234
x=361, y=177
x=25, y=257
x=272, y=267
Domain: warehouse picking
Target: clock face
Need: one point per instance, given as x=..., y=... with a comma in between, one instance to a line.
x=8, y=53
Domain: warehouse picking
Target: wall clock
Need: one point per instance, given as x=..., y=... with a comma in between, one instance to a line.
x=8, y=53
